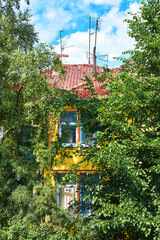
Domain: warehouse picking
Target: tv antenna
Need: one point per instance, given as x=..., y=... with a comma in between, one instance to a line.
x=95, y=45
x=97, y=57
x=62, y=47
x=93, y=56
x=89, y=58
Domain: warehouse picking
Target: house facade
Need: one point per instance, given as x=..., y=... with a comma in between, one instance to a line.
x=72, y=136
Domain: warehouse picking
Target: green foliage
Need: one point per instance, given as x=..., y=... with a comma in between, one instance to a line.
x=126, y=154
x=126, y=201
x=16, y=30
x=144, y=27
x=42, y=218
x=26, y=102
x=16, y=33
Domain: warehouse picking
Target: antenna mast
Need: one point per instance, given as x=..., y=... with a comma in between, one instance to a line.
x=61, y=46
x=89, y=58
x=94, y=49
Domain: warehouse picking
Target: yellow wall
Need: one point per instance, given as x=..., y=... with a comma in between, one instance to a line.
x=69, y=159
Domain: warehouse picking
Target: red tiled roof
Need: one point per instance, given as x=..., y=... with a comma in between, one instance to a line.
x=73, y=76
x=72, y=79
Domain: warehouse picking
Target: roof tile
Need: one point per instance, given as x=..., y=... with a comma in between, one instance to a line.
x=72, y=79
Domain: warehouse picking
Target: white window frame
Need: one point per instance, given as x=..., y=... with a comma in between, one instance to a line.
x=69, y=124
x=68, y=195
x=73, y=192
x=1, y=131
x=89, y=142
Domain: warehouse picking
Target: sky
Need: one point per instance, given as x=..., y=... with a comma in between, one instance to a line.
x=72, y=18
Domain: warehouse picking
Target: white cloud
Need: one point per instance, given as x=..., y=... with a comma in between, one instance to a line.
x=51, y=16
x=134, y=7
x=100, y=2
x=79, y=46
x=35, y=18
x=48, y=19
x=50, y=22
x=112, y=38
x=45, y=33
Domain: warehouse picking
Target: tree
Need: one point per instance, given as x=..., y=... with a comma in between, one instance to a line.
x=15, y=32
x=26, y=102
x=144, y=27
x=126, y=200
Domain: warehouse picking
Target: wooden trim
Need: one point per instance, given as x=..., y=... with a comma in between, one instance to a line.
x=78, y=196
x=71, y=109
x=78, y=134
x=75, y=171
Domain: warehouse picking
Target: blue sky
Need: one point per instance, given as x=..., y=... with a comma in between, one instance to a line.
x=72, y=16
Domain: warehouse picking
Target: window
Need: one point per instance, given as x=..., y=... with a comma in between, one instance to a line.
x=66, y=192
x=71, y=133
x=68, y=129
x=1, y=131
x=87, y=183
x=77, y=195
x=25, y=136
x=87, y=133
x=24, y=140
x=66, y=195
x=87, y=138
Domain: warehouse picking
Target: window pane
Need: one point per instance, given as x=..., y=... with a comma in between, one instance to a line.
x=87, y=133
x=87, y=183
x=66, y=195
x=85, y=138
x=68, y=128
x=24, y=140
x=69, y=117
x=25, y=136
x=88, y=137
x=1, y=131
x=68, y=134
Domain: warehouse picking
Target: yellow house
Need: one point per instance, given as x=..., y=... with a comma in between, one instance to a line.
x=68, y=160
